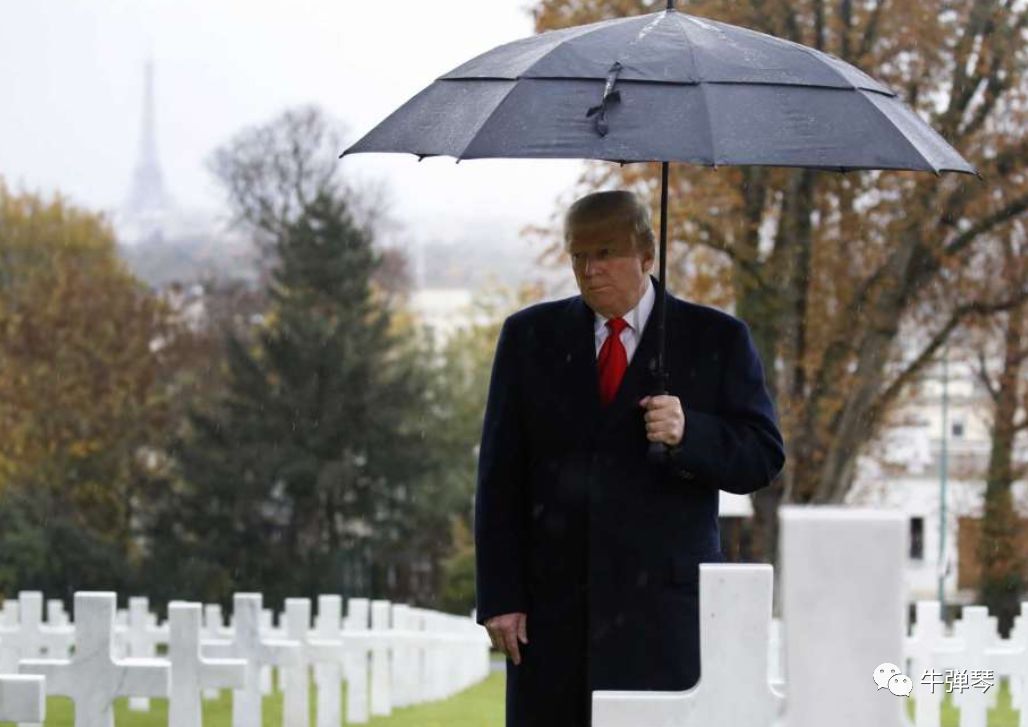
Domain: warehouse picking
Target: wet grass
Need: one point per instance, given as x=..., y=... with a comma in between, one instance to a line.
x=478, y=706
x=1004, y=715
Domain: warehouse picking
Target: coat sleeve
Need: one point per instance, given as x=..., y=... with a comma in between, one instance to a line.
x=500, y=522
x=739, y=449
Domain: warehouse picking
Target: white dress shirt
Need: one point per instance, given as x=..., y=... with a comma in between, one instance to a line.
x=636, y=320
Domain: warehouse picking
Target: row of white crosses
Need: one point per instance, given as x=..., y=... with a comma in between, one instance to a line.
x=972, y=644
x=407, y=656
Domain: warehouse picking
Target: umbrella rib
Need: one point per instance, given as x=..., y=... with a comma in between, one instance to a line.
x=816, y=55
x=486, y=120
x=590, y=29
x=553, y=38
x=702, y=88
x=902, y=133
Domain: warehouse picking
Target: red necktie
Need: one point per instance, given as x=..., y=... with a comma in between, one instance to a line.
x=612, y=361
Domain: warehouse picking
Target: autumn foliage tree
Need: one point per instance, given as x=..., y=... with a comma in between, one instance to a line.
x=852, y=283
x=87, y=397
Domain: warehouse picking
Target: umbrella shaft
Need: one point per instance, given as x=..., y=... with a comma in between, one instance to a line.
x=662, y=281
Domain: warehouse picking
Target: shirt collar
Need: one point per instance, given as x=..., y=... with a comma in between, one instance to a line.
x=637, y=317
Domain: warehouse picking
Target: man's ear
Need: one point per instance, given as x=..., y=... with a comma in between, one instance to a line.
x=647, y=262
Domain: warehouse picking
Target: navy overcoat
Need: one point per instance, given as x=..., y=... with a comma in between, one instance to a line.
x=575, y=527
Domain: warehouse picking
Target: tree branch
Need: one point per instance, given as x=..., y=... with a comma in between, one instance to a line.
x=975, y=308
x=846, y=19
x=962, y=88
x=983, y=376
x=715, y=240
x=819, y=24
x=871, y=29
x=994, y=84
x=1011, y=210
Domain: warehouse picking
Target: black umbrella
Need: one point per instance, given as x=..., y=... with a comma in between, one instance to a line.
x=664, y=87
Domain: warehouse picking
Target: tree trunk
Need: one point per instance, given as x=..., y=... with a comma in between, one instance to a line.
x=1001, y=581
x=761, y=308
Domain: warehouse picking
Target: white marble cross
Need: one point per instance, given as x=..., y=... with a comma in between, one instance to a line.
x=269, y=631
x=214, y=623
x=22, y=698
x=844, y=613
x=55, y=613
x=142, y=638
x=93, y=678
x=356, y=668
x=928, y=647
x=31, y=638
x=978, y=632
x=295, y=701
x=213, y=629
x=1011, y=658
x=327, y=641
x=9, y=613
x=327, y=648
x=735, y=624
x=249, y=644
x=432, y=655
x=405, y=657
x=381, y=702
x=190, y=671
x=418, y=623
x=331, y=650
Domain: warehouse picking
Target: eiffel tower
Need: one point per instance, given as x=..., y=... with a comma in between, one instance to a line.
x=148, y=206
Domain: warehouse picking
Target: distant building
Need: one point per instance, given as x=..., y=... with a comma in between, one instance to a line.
x=904, y=470
x=162, y=242
x=444, y=310
x=148, y=209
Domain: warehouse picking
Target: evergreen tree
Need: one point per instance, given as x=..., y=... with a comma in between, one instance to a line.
x=296, y=475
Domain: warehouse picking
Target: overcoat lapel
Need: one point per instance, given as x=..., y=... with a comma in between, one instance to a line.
x=580, y=379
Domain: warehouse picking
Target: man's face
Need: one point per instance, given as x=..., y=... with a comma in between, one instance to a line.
x=610, y=271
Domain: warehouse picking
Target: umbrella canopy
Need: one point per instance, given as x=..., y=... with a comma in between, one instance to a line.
x=664, y=87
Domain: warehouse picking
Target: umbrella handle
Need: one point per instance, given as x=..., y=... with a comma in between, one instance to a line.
x=658, y=453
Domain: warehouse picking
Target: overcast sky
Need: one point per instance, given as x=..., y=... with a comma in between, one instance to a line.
x=72, y=75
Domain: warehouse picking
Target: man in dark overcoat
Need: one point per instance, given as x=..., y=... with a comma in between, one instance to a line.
x=587, y=551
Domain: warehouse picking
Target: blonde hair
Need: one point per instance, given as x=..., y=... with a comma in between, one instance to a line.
x=615, y=203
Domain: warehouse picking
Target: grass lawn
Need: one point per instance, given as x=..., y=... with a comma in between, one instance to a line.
x=479, y=706
x=1003, y=715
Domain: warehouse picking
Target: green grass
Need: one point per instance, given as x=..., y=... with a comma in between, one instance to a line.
x=1003, y=715
x=478, y=706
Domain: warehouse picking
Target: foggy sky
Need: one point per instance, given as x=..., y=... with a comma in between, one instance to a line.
x=72, y=75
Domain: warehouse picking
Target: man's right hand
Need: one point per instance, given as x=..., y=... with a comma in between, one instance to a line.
x=505, y=631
